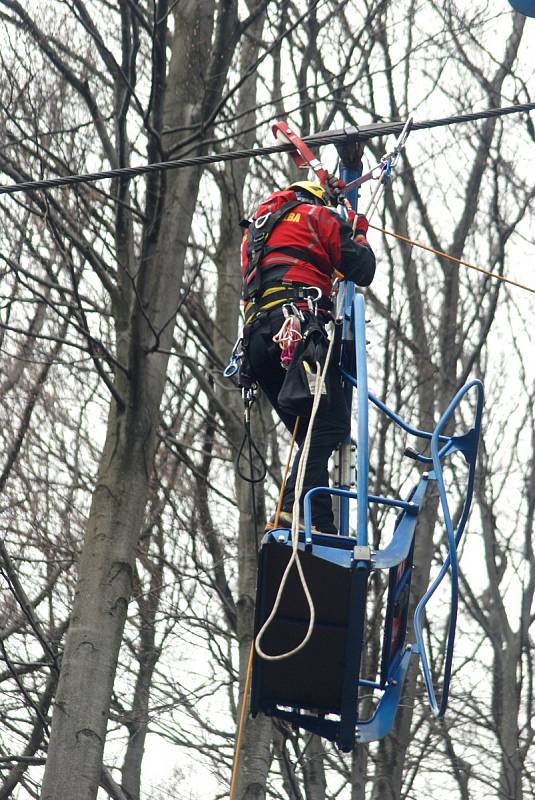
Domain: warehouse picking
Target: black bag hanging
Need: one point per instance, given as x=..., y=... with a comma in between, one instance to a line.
x=297, y=391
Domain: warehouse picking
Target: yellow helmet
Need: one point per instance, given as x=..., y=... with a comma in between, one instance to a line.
x=315, y=189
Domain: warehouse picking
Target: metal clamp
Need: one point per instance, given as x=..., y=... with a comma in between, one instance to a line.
x=362, y=553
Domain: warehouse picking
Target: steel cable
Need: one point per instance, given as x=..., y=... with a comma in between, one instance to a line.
x=357, y=134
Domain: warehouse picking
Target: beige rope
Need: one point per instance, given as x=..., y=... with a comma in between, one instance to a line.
x=320, y=382
x=285, y=477
x=248, y=674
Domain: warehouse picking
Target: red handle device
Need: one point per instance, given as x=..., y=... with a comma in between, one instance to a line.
x=303, y=155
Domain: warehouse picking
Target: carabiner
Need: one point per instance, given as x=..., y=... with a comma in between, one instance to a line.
x=386, y=175
x=234, y=359
x=232, y=367
x=287, y=310
x=312, y=302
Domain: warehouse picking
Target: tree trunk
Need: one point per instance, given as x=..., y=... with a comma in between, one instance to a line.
x=147, y=656
x=255, y=755
x=118, y=505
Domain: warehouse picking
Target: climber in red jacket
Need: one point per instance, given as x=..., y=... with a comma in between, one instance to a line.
x=295, y=246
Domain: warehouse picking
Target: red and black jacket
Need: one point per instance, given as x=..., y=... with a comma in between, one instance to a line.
x=306, y=246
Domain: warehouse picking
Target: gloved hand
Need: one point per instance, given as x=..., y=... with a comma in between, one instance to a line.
x=335, y=188
x=357, y=221
x=360, y=228
x=361, y=225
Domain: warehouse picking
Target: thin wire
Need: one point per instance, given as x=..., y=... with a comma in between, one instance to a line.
x=455, y=259
x=355, y=134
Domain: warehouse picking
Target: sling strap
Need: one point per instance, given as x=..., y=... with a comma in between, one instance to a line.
x=295, y=252
x=259, y=232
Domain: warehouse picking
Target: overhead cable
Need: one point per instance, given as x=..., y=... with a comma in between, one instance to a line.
x=352, y=133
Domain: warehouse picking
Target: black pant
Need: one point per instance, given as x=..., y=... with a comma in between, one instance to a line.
x=331, y=426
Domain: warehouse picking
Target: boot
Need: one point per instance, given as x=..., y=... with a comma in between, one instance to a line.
x=285, y=521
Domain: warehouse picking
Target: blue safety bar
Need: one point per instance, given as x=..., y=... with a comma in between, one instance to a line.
x=442, y=446
x=348, y=173
x=362, y=419
x=467, y=445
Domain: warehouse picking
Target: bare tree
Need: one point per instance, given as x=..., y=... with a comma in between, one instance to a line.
x=119, y=308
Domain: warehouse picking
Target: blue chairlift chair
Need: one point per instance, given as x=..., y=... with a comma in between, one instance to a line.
x=317, y=689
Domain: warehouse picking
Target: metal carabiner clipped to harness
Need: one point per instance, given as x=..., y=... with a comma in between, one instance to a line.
x=235, y=357
x=312, y=302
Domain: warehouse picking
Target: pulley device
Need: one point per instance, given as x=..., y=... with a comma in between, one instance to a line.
x=318, y=687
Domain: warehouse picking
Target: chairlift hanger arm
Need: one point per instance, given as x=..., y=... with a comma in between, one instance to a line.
x=388, y=161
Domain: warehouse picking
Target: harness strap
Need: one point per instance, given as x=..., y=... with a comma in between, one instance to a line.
x=278, y=295
x=259, y=232
x=296, y=252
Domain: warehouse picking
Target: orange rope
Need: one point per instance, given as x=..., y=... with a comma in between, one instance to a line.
x=453, y=258
x=249, y=672
x=243, y=711
x=283, y=484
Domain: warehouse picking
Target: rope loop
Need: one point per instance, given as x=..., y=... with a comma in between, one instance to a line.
x=294, y=558
x=261, y=474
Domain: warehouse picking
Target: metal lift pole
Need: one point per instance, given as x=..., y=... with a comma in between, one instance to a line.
x=350, y=169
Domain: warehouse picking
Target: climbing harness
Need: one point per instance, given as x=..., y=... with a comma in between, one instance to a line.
x=281, y=293
x=259, y=232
